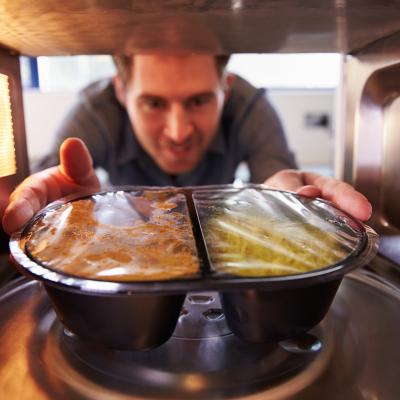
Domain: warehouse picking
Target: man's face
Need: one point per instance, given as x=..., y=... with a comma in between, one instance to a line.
x=174, y=103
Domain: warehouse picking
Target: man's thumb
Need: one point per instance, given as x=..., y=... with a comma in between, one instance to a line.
x=76, y=163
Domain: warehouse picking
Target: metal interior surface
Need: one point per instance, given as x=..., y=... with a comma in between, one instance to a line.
x=9, y=66
x=370, y=139
x=224, y=26
x=7, y=271
x=354, y=351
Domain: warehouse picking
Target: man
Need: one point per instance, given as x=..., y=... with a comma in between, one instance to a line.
x=175, y=119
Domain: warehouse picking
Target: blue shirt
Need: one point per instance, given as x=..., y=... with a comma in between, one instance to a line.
x=249, y=131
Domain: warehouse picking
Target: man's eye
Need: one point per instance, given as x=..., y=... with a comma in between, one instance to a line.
x=154, y=104
x=198, y=101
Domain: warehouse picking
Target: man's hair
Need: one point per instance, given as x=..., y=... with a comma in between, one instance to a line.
x=123, y=64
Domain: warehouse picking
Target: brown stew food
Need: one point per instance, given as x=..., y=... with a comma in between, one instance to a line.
x=125, y=238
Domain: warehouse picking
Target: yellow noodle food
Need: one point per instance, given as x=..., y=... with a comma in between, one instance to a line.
x=255, y=246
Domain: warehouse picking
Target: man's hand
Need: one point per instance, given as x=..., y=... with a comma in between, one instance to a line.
x=311, y=184
x=74, y=174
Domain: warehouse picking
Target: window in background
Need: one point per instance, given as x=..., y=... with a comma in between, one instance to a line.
x=70, y=74
x=29, y=72
x=288, y=71
x=262, y=70
x=302, y=89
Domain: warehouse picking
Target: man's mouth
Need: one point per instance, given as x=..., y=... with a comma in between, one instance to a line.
x=180, y=158
x=179, y=149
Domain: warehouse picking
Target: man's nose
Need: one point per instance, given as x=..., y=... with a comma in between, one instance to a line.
x=178, y=125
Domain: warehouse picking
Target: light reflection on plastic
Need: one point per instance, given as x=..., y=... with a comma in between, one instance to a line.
x=8, y=164
x=109, y=287
x=113, y=272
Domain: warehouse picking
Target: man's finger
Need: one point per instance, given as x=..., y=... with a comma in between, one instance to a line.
x=353, y=202
x=75, y=174
x=311, y=184
x=286, y=180
x=16, y=215
x=309, y=191
x=342, y=194
x=76, y=163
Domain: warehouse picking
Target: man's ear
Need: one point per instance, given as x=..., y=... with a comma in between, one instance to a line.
x=119, y=87
x=229, y=78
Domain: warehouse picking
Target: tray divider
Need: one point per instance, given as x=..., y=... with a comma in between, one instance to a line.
x=205, y=267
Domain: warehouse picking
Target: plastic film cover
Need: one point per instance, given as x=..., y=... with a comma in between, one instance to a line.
x=258, y=233
x=118, y=236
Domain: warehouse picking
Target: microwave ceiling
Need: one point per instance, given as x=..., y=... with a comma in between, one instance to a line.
x=71, y=27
